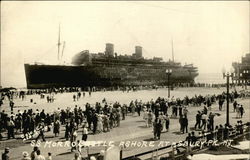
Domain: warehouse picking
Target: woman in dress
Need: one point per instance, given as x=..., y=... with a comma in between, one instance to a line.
x=167, y=121
x=145, y=115
x=56, y=127
x=99, y=123
x=150, y=118
x=84, y=133
x=105, y=123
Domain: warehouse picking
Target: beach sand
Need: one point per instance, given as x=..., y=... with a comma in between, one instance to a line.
x=132, y=129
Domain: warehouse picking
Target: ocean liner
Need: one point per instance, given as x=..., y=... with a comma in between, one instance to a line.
x=108, y=69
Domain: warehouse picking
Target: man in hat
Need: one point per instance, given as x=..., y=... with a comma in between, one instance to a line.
x=26, y=156
x=39, y=156
x=5, y=155
x=33, y=153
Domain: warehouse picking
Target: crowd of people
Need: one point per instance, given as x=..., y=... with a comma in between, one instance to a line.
x=35, y=155
x=51, y=91
x=104, y=116
x=220, y=133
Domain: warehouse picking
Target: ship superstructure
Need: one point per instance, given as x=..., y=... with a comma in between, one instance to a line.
x=108, y=69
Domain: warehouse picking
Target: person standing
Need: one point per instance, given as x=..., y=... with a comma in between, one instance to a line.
x=95, y=120
x=175, y=110
x=185, y=124
x=165, y=107
x=198, y=120
x=41, y=127
x=158, y=128
x=84, y=133
x=39, y=156
x=49, y=156
x=209, y=103
x=89, y=118
x=145, y=115
x=181, y=123
x=180, y=110
x=150, y=118
x=47, y=121
x=105, y=123
x=34, y=153
x=5, y=155
x=10, y=127
x=56, y=128
x=73, y=137
x=99, y=123
x=118, y=119
x=157, y=110
x=77, y=156
x=67, y=131
x=211, y=121
x=11, y=105
x=79, y=95
x=235, y=105
x=138, y=109
x=132, y=106
x=221, y=101
x=204, y=121
x=193, y=138
x=241, y=110
x=205, y=110
x=31, y=121
x=167, y=122
x=123, y=111
x=185, y=111
x=238, y=111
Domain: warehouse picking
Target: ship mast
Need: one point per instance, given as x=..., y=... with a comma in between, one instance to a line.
x=63, y=49
x=59, y=43
x=172, y=50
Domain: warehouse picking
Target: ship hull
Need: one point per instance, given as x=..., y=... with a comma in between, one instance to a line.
x=50, y=76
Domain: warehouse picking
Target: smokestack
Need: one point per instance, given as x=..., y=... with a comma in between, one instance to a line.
x=138, y=51
x=109, y=51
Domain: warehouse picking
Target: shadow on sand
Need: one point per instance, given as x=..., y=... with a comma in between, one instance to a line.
x=149, y=139
x=143, y=126
x=177, y=133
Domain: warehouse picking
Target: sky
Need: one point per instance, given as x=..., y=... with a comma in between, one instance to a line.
x=211, y=35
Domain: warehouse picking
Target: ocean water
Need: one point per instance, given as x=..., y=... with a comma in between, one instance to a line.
x=210, y=78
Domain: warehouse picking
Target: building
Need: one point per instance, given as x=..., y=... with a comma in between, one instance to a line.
x=242, y=70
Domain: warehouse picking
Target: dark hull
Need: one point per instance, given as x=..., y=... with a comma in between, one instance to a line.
x=49, y=76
